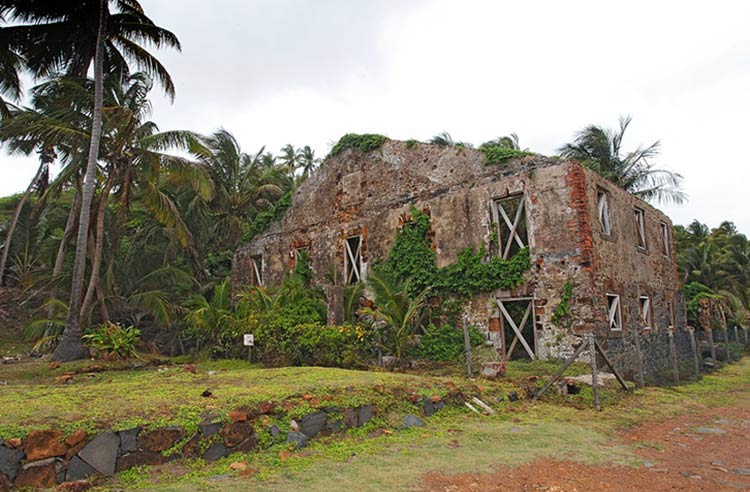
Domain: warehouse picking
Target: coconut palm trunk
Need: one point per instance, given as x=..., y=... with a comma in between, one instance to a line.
x=16, y=215
x=96, y=261
x=71, y=345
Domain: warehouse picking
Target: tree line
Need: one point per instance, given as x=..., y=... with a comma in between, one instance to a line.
x=141, y=224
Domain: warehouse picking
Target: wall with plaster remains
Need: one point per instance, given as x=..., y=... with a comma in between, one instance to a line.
x=370, y=195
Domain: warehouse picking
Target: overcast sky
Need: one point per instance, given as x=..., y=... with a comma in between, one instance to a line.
x=307, y=71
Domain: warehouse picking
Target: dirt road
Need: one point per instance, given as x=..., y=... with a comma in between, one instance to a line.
x=707, y=451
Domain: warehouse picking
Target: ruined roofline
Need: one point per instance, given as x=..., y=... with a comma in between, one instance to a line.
x=406, y=160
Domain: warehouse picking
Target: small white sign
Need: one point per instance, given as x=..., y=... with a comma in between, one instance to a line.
x=248, y=339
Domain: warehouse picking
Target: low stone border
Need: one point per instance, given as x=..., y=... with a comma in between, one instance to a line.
x=45, y=458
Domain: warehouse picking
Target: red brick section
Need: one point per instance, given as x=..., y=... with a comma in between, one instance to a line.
x=575, y=179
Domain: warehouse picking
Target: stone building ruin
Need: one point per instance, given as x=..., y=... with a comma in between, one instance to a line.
x=612, y=252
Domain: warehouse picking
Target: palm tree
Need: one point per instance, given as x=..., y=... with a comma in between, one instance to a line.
x=244, y=186
x=11, y=64
x=288, y=158
x=400, y=312
x=67, y=36
x=38, y=182
x=510, y=141
x=443, y=139
x=307, y=160
x=600, y=149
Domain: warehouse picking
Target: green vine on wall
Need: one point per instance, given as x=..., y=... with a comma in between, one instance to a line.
x=412, y=258
x=563, y=309
x=264, y=219
x=366, y=142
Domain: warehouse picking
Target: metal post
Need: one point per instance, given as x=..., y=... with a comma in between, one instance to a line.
x=726, y=343
x=638, y=359
x=594, y=371
x=694, y=348
x=673, y=352
x=467, y=346
x=712, y=345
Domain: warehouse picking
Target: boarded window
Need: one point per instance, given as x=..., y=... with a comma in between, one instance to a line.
x=644, y=304
x=640, y=226
x=665, y=239
x=615, y=314
x=353, y=260
x=509, y=217
x=518, y=328
x=602, y=207
x=256, y=271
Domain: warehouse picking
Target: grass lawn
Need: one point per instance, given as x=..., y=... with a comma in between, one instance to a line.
x=156, y=395
x=454, y=440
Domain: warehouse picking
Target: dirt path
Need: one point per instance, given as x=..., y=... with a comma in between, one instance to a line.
x=707, y=451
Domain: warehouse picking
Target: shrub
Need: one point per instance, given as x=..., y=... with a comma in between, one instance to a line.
x=445, y=343
x=113, y=341
x=283, y=341
x=495, y=154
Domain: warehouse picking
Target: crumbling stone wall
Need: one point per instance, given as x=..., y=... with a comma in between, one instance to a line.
x=370, y=195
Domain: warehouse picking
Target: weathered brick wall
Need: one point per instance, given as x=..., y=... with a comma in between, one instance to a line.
x=621, y=267
x=370, y=194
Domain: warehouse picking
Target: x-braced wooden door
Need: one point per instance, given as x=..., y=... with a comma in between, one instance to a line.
x=519, y=327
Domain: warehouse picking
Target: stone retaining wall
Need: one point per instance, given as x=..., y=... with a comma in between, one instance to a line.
x=46, y=458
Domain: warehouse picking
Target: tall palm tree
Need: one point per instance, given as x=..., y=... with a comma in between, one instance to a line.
x=38, y=182
x=67, y=36
x=288, y=158
x=244, y=186
x=307, y=160
x=11, y=63
x=600, y=149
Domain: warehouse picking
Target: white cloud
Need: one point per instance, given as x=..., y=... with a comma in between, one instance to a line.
x=306, y=72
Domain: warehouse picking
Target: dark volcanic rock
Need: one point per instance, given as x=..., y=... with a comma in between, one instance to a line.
x=298, y=438
x=312, y=423
x=78, y=470
x=209, y=428
x=215, y=452
x=101, y=452
x=412, y=421
x=129, y=440
x=9, y=461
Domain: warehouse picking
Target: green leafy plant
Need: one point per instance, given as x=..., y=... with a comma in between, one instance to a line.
x=411, y=143
x=400, y=311
x=563, y=309
x=495, y=154
x=445, y=343
x=413, y=259
x=264, y=219
x=113, y=341
x=212, y=322
x=366, y=142
x=694, y=292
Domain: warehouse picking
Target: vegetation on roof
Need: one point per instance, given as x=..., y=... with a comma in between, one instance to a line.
x=494, y=154
x=366, y=142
